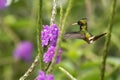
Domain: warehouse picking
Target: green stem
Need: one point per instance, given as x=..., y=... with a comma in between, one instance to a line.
x=27, y=73
x=53, y=13
x=107, y=42
x=67, y=73
x=61, y=14
x=66, y=14
x=39, y=28
x=89, y=11
x=59, y=38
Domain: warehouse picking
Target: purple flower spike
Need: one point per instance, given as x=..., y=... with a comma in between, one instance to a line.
x=49, y=77
x=43, y=76
x=2, y=4
x=50, y=54
x=23, y=51
x=49, y=36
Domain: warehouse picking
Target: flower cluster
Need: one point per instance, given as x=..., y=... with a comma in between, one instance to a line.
x=43, y=76
x=23, y=51
x=49, y=36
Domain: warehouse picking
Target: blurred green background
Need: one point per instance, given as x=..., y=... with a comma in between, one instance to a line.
x=82, y=60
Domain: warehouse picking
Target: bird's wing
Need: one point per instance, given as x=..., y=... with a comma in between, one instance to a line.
x=73, y=35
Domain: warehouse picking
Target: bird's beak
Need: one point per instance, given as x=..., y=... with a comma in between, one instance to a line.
x=74, y=23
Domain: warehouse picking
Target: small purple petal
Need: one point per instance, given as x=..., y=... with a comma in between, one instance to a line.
x=45, y=35
x=59, y=56
x=50, y=54
x=24, y=51
x=54, y=32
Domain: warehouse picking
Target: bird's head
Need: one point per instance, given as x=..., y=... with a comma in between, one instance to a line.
x=82, y=23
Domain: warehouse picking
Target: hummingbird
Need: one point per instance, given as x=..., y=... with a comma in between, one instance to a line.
x=83, y=33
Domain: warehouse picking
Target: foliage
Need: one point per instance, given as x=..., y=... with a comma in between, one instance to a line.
x=81, y=60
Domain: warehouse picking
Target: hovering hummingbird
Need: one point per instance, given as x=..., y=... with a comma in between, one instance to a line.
x=83, y=33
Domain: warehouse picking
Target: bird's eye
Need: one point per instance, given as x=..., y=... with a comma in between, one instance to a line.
x=80, y=23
